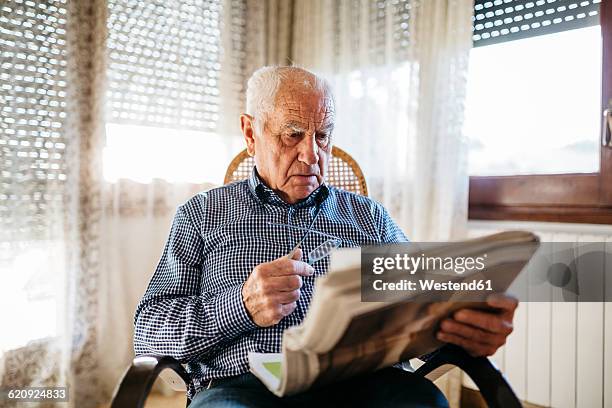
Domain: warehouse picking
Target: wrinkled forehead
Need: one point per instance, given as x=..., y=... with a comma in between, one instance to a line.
x=295, y=102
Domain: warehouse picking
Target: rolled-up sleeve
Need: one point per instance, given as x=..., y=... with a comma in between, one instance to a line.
x=174, y=317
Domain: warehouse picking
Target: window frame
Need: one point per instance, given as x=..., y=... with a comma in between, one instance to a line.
x=577, y=198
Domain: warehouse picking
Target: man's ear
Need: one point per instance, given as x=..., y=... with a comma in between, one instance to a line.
x=248, y=131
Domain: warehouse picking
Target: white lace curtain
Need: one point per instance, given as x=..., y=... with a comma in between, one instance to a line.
x=176, y=71
x=51, y=135
x=81, y=81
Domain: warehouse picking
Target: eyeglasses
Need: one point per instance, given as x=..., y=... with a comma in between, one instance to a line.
x=320, y=251
x=323, y=250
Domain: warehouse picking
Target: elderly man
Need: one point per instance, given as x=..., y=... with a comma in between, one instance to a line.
x=225, y=286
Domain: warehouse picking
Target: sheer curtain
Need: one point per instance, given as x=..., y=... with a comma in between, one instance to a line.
x=51, y=136
x=176, y=74
x=113, y=112
x=399, y=73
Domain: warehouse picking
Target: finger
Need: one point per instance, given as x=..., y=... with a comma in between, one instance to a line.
x=472, y=333
x=491, y=322
x=474, y=348
x=285, y=283
x=502, y=301
x=284, y=266
x=288, y=308
x=296, y=254
x=292, y=267
x=287, y=297
x=302, y=268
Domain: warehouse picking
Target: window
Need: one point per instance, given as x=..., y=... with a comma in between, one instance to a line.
x=173, y=78
x=539, y=81
x=545, y=103
x=32, y=163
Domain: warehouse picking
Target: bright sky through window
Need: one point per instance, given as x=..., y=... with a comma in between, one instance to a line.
x=32, y=283
x=533, y=105
x=142, y=153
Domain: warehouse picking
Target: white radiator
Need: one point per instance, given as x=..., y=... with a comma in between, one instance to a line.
x=560, y=354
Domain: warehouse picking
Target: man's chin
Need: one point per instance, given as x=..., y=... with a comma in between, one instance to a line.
x=302, y=192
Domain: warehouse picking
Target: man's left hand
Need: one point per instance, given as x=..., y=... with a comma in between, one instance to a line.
x=480, y=332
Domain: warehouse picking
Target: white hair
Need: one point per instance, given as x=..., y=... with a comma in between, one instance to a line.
x=264, y=84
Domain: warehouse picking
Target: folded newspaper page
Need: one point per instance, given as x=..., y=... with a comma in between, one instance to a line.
x=363, y=336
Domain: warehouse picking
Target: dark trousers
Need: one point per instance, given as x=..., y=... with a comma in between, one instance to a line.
x=389, y=387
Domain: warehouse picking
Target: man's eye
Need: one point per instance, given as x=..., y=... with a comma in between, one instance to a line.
x=323, y=139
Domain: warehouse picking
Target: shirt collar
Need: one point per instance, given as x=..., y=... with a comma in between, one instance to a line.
x=268, y=196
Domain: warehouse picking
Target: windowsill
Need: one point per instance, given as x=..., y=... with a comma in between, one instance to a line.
x=564, y=214
x=492, y=226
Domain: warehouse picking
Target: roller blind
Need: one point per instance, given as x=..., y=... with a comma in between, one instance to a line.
x=173, y=62
x=32, y=119
x=506, y=20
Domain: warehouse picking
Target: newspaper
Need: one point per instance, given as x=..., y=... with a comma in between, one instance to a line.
x=341, y=336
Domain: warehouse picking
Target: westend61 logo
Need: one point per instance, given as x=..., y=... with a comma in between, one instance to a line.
x=406, y=270
x=532, y=271
x=424, y=263
x=433, y=274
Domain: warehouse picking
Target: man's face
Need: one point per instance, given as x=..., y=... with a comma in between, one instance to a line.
x=292, y=152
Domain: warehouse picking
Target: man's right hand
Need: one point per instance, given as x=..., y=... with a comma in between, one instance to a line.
x=273, y=288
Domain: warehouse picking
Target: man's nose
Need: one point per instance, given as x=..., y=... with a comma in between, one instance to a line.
x=308, y=150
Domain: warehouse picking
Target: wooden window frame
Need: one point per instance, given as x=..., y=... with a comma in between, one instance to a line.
x=579, y=198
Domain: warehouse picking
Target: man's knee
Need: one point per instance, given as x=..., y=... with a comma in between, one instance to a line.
x=395, y=387
x=242, y=391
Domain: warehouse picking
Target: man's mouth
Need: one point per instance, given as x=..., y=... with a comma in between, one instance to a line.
x=306, y=177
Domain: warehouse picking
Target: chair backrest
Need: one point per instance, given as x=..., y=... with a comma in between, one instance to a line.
x=343, y=171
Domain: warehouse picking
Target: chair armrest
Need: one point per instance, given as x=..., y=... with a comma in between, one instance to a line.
x=137, y=381
x=490, y=381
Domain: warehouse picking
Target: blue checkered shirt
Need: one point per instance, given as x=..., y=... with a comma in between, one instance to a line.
x=192, y=309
